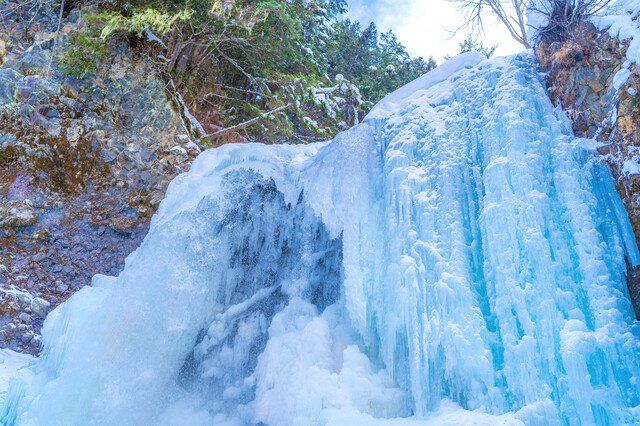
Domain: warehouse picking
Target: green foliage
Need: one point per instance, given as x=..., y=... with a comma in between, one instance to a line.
x=140, y=21
x=634, y=101
x=376, y=64
x=472, y=44
x=235, y=60
x=84, y=55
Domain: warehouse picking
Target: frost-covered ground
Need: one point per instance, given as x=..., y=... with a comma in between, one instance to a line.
x=457, y=258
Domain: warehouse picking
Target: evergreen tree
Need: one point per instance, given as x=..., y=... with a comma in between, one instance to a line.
x=376, y=64
x=294, y=64
x=472, y=44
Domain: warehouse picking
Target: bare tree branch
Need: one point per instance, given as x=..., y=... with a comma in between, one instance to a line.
x=244, y=124
x=56, y=39
x=563, y=15
x=511, y=13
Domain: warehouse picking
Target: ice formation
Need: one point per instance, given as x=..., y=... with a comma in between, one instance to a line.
x=457, y=258
x=10, y=362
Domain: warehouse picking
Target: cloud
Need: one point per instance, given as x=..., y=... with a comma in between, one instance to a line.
x=424, y=26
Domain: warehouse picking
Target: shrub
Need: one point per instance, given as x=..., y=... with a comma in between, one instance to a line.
x=83, y=56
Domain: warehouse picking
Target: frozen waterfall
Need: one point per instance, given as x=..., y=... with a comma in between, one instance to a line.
x=459, y=256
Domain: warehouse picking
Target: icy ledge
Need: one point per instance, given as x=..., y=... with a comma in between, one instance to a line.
x=458, y=258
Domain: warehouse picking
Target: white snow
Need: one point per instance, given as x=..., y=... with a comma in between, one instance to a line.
x=178, y=150
x=622, y=21
x=337, y=375
x=457, y=258
x=152, y=37
x=631, y=167
x=397, y=99
x=620, y=78
x=537, y=14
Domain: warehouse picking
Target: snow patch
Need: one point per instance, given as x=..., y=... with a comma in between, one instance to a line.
x=397, y=99
x=620, y=78
x=631, y=167
x=622, y=21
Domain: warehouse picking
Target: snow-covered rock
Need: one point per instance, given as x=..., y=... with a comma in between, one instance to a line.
x=17, y=213
x=622, y=20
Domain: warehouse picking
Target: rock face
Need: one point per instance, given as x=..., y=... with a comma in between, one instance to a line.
x=83, y=166
x=589, y=76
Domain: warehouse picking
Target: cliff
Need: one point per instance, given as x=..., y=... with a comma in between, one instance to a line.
x=84, y=163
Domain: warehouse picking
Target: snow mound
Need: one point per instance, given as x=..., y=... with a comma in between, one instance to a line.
x=397, y=99
x=457, y=258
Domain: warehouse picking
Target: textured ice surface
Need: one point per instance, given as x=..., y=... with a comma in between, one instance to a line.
x=458, y=258
x=10, y=362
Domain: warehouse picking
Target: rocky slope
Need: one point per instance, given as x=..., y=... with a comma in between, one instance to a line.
x=591, y=77
x=83, y=166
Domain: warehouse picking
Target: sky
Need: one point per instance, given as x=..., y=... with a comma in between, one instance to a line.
x=424, y=26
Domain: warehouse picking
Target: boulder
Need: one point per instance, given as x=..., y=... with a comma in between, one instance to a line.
x=40, y=307
x=17, y=213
